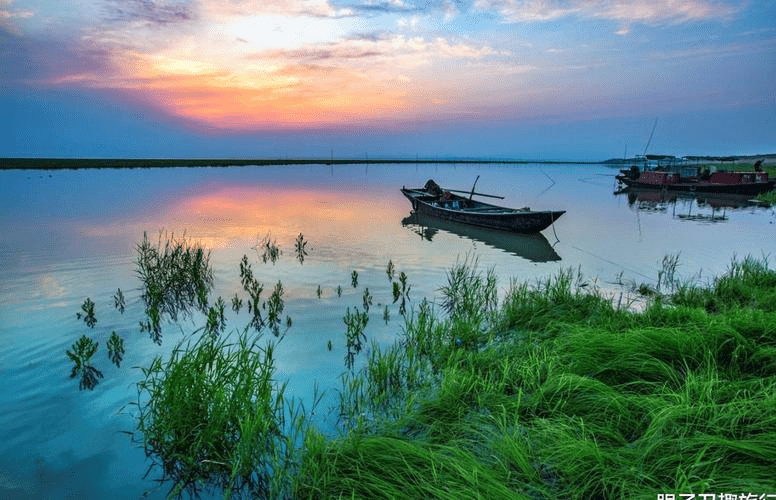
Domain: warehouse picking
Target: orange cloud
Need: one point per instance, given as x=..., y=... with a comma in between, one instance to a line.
x=350, y=80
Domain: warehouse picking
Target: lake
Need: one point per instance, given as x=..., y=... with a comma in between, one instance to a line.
x=71, y=234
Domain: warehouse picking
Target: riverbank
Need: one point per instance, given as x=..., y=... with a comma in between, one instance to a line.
x=563, y=395
x=555, y=392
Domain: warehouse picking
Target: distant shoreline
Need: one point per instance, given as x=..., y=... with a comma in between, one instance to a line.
x=96, y=163
x=79, y=163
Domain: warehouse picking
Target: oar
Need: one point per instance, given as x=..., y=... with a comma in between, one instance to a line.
x=472, y=192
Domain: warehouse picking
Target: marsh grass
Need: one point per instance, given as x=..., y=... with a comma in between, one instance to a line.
x=553, y=392
x=562, y=395
x=176, y=278
x=769, y=197
x=212, y=416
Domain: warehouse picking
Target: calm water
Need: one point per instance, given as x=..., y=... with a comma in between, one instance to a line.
x=68, y=235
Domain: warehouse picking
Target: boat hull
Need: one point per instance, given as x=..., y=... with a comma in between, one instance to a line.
x=519, y=221
x=750, y=188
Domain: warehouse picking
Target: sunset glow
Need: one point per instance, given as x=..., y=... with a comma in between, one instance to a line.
x=252, y=66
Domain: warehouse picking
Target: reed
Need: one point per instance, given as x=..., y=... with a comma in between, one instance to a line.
x=176, y=278
x=211, y=416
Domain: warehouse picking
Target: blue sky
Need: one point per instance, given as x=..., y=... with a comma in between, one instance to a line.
x=535, y=79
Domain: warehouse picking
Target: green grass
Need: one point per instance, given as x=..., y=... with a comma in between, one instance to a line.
x=565, y=397
x=552, y=393
x=176, y=278
x=213, y=417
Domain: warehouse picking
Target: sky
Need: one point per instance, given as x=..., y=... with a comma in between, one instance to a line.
x=526, y=79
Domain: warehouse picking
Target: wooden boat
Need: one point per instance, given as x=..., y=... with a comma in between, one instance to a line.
x=750, y=183
x=431, y=200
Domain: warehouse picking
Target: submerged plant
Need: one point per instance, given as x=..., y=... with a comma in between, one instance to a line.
x=319, y=291
x=389, y=270
x=339, y=290
x=81, y=355
x=354, y=278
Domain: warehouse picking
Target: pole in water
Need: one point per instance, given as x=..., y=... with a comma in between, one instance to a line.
x=650, y=137
x=475, y=183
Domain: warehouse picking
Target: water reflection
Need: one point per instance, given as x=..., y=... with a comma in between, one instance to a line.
x=532, y=247
x=687, y=206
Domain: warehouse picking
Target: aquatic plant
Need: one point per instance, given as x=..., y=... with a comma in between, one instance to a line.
x=769, y=197
x=567, y=398
x=339, y=290
x=211, y=416
x=354, y=335
x=216, y=320
x=554, y=393
x=367, y=299
x=667, y=274
x=318, y=292
x=87, y=313
x=254, y=288
x=118, y=301
x=236, y=303
x=269, y=249
x=389, y=270
x=300, y=246
x=81, y=354
x=354, y=278
x=401, y=290
x=115, y=349
x=176, y=278
x=275, y=306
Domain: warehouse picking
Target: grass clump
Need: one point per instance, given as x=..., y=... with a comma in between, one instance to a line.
x=176, y=278
x=558, y=394
x=553, y=392
x=213, y=417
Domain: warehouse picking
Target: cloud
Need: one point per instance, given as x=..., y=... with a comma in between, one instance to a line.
x=450, y=11
x=382, y=51
x=8, y=14
x=217, y=9
x=656, y=12
x=153, y=11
